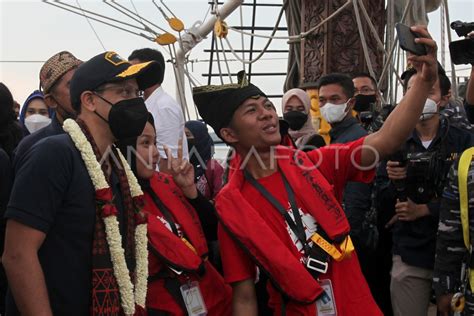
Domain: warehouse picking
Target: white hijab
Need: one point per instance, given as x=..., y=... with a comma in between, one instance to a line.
x=307, y=128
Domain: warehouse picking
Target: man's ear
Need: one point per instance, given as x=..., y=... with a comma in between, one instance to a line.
x=229, y=135
x=50, y=101
x=445, y=99
x=87, y=101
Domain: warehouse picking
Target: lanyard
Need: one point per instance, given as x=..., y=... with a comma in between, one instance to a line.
x=164, y=210
x=296, y=225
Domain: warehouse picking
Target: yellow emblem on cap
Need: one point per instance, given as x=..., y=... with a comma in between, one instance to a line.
x=133, y=70
x=114, y=58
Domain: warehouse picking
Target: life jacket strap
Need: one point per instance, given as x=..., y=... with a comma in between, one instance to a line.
x=343, y=251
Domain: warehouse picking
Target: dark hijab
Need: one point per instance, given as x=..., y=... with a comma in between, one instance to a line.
x=203, y=145
x=128, y=147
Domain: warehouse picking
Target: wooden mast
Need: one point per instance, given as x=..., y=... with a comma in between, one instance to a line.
x=337, y=47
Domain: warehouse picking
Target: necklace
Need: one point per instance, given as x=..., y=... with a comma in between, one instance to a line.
x=130, y=294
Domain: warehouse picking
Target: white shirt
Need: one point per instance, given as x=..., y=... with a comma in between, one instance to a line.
x=169, y=122
x=426, y=143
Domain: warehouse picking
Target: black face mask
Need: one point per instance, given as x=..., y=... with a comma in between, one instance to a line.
x=191, y=143
x=363, y=102
x=296, y=119
x=127, y=118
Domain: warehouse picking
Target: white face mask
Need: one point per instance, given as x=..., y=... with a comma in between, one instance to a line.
x=36, y=122
x=430, y=109
x=334, y=113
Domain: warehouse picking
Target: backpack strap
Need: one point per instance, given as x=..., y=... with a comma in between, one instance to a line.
x=463, y=170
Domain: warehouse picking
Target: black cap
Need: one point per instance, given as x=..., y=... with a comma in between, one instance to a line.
x=217, y=104
x=109, y=67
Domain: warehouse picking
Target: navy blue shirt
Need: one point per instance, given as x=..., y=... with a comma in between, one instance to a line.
x=27, y=142
x=53, y=193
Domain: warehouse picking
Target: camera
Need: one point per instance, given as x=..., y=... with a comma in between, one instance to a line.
x=462, y=52
x=426, y=175
x=462, y=28
x=400, y=185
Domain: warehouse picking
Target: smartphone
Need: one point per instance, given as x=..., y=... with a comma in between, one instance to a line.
x=406, y=38
x=462, y=52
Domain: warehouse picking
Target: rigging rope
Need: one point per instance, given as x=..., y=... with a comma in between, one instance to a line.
x=55, y=4
x=218, y=61
x=225, y=60
x=453, y=69
x=92, y=27
x=280, y=15
x=133, y=16
x=242, y=36
x=362, y=39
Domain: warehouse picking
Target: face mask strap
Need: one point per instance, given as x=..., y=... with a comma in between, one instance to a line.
x=97, y=113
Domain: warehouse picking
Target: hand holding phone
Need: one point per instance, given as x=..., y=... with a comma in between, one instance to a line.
x=406, y=38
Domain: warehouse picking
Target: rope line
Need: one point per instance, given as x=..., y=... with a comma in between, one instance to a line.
x=92, y=27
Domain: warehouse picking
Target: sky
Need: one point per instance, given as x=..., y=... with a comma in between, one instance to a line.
x=33, y=31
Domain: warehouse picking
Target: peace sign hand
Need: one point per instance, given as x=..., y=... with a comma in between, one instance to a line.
x=182, y=171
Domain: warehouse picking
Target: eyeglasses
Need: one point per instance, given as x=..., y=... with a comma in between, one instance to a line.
x=364, y=90
x=125, y=91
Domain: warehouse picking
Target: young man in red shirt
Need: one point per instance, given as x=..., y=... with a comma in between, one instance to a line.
x=281, y=209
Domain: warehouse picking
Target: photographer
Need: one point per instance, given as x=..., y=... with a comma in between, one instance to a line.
x=369, y=109
x=430, y=150
x=462, y=53
x=470, y=90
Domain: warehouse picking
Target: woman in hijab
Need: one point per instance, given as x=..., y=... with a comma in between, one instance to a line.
x=296, y=106
x=177, y=241
x=208, y=172
x=35, y=114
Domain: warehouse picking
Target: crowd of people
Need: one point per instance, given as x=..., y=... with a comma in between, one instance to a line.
x=112, y=204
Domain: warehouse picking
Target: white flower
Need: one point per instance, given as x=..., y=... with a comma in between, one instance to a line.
x=135, y=188
x=141, y=269
x=117, y=254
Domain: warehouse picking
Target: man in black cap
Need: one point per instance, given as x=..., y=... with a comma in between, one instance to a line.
x=57, y=251
x=281, y=209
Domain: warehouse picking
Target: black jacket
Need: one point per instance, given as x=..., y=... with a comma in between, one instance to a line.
x=415, y=241
x=356, y=195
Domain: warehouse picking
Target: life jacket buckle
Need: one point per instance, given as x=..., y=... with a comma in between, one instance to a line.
x=317, y=265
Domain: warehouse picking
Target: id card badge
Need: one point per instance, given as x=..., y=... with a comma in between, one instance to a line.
x=326, y=304
x=193, y=299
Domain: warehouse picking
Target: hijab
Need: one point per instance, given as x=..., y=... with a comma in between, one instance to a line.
x=203, y=145
x=35, y=95
x=124, y=145
x=305, y=100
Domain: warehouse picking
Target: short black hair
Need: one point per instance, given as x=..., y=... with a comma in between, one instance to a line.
x=10, y=131
x=150, y=54
x=340, y=79
x=444, y=82
x=365, y=75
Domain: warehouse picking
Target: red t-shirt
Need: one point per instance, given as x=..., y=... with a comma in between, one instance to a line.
x=338, y=164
